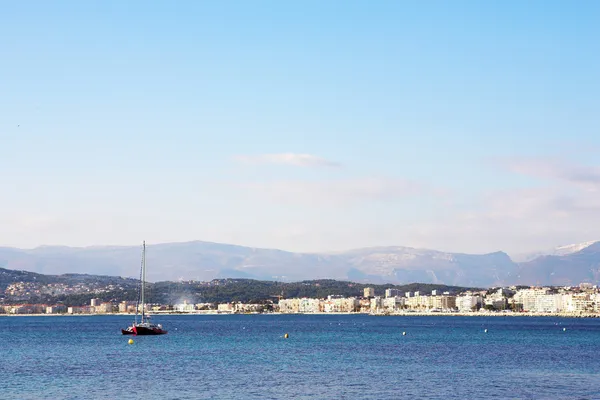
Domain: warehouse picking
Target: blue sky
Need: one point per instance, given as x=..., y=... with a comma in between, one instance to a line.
x=309, y=126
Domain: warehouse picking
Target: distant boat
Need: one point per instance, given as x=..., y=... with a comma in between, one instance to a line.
x=144, y=327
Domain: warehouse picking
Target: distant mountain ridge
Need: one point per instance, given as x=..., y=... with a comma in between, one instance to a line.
x=555, y=251
x=205, y=261
x=568, y=268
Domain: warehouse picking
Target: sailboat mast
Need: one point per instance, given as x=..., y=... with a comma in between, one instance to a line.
x=143, y=280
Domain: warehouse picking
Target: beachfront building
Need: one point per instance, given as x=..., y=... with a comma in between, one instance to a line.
x=368, y=292
x=56, y=309
x=468, y=302
x=393, y=303
x=550, y=303
x=127, y=307
x=104, y=308
x=79, y=310
x=376, y=304
x=542, y=300
x=581, y=302
x=306, y=305
x=225, y=307
x=184, y=307
x=498, y=303
x=26, y=309
x=248, y=308
x=337, y=304
x=343, y=304
x=392, y=292
x=291, y=306
x=528, y=298
x=419, y=303
x=444, y=302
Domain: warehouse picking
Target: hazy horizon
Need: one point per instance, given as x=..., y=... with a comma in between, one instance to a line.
x=148, y=244
x=307, y=127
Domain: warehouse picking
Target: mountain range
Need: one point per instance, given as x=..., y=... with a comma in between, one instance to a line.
x=197, y=260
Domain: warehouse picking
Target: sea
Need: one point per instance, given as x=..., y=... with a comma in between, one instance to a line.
x=323, y=357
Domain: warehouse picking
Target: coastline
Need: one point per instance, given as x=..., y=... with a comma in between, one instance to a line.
x=396, y=314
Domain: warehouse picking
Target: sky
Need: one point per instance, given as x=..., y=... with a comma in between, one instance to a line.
x=307, y=126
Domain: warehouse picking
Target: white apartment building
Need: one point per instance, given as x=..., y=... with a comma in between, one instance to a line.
x=466, y=303
x=184, y=307
x=550, y=303
x=528, y=297
x=444, y=302
x=581, y=302
x=420, y=302
x=225, y=307
x=376, y=303
x=306, y=305
x=341, y=305
x=393, y=303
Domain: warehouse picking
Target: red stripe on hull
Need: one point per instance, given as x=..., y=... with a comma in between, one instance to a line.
x=144, y=331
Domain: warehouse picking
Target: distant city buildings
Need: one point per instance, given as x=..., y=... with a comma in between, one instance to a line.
x=583, y=299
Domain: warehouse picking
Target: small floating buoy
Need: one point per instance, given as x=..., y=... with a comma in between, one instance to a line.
x=564, y=329
x=485, y=330
x=286, y=336
x=130, y=341
x=403, y=333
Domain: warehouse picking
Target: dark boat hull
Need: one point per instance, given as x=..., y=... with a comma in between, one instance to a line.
x=140, y=330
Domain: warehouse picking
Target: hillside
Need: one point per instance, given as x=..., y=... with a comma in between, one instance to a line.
x=23, y=286
x=73, y=289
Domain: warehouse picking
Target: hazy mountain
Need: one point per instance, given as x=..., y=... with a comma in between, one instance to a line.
x=555, y=251
x=398, y=265
x=570, y=266
x=206, y=261
x=405, y=264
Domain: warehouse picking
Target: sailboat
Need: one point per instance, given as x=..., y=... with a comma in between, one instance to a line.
x=144, y=327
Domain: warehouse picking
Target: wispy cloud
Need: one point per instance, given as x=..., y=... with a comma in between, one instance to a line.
x=337, y=192
x=516, y=221
x=586, y=177
x=563, y=210
x=299, y=160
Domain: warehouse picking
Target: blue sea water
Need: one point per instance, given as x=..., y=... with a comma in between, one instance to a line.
x=325, y=357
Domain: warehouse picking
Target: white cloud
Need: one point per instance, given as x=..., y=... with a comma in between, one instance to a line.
x=516, y=221
x=336, y=192
x=299, y=160
x=565, y=210
x=585, y=177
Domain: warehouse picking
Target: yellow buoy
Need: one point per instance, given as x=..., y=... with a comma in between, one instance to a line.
x=130, y=341
x=286, y=336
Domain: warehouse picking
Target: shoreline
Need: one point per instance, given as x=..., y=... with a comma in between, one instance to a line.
x=397, y=314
